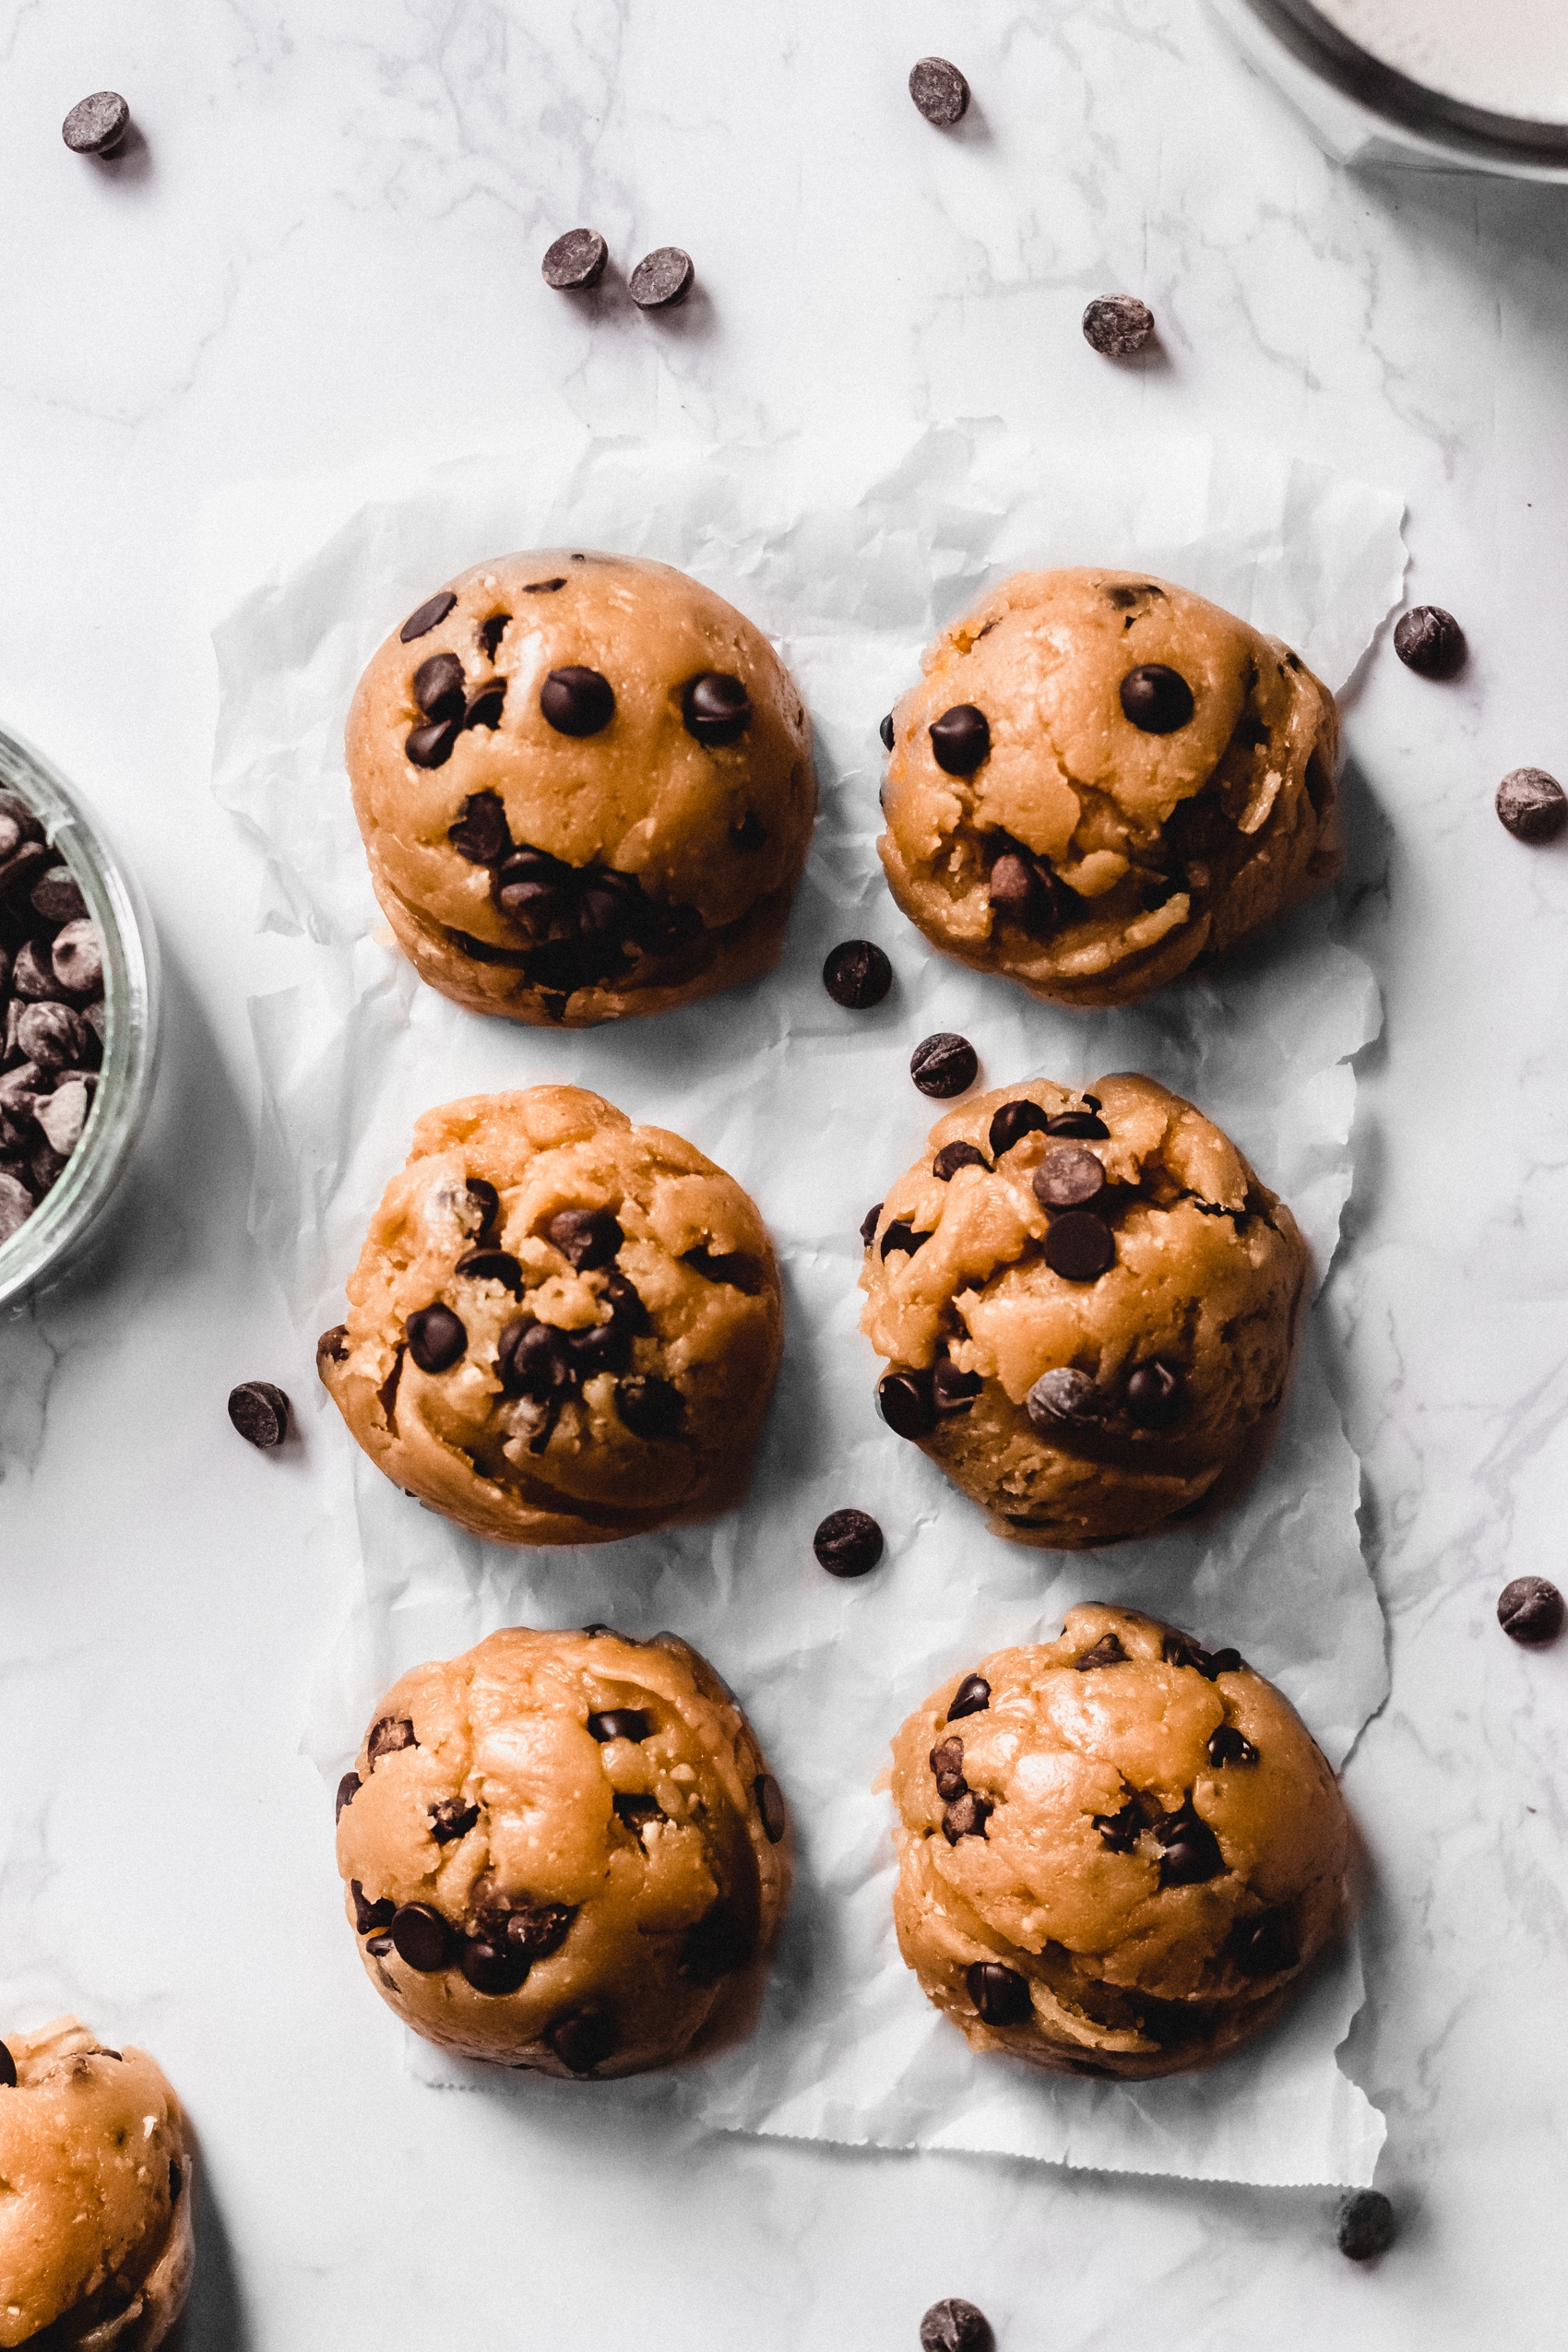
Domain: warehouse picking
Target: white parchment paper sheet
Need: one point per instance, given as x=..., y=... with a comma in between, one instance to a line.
x=850, y=562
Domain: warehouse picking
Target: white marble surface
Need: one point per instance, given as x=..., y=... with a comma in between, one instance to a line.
x=329, y=245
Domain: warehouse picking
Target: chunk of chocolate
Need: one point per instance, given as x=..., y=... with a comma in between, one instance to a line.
x=885, y=731
x=966, y=1817
x=389, y=1735
x=661, y=278
x=1228, y=1746
x=1079, y=1246
x=481, y=834
x=1363, y=2225
x=998, y=1992
x=492, y=1266
x=348, y=1790
x=260, y=1412
x=906, y=1401
x=587, y=1238
x=421, y=1938
x=1068, y=1177
x=939, y=91
x=943, y=1065
x=430, y=745
x=1085, y=1125
x=368, y=1916
x=1012, y=1124
x=577, y=701
x=576, y=261
x=1118, y=326
x=439, y=687
x=952, y=1157
x=96, y=125
x=903, y=1238
x=492, y=1968
x=1532, y=804
x=960, y=739
x=946, y=1762
x=971, y=1697
x=716, y=709
x=437, y=1338
x=1063, y=1397
x=430, y=614
x=1530, y=1611
x=847, y=1543
x=869, y=1223
x=1430, y=641
x=953, y=1391
x=1266, y=1945
x=953, y=2325
x=857, y=975
x=1157, y=699
x=451, y=1819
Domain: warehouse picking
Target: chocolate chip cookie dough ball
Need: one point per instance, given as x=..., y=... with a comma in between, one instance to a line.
x=1087, y=1305
x=96, y=2241
x=566, y=1851
x=1118, y=1853
x=1100, y=779
x=562, y=1328
x=585, y=786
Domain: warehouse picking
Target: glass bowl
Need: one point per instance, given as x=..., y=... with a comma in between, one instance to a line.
x=55, y=1232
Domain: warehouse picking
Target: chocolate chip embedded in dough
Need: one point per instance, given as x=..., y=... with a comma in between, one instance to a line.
x=577, y=701
x=885, y=731
x=389, y=1735
x=1065, y=1396
x=576, y=261
x=770, y=1806
x=77, y=958
x=1001, y=1994
x=750, y=834
x=430, y=745
x=971, y=1697
x=1107, y=1651
x=421, y=1938
x=661, y=278
x=451, y=1819
x=966, y=1817
x=1228, y=1746
x=96, y=125
x=952, y=1157
x=960, y=739
x=946, y=1762
x=533, y=1359
x=1157, y=699
x=440, y=687
x=1079, y=1246
x=943, y=1065
x=492, y=1265
x=636, y=1811
x=431, y=613
x=716, y=709
x=483, y=1203
x=939, y=91
x=540, y=1929
x=857, y=975
x=906, y=1401
x=1017, y=890
x=495, y=629
x=582, y=2042
x=587, y=1238
x=1083, y=1125
x=1530, y=1611
x=482, y=834
x=650, y=1407
x=1363, y=2225
x=1119, y=326
x=954, y=1391
x=8, y=2070
x=1012, y=1124
x=369, y=1917
x=348, y=1790
x=902, y=1237
x=1156, y=1394
x=491, y=1967
x=176, y=2180
x=1532, y=804
x=869, y=1223
x=953, y=2325
x=1265, y=1946
x=1430, y=641
x=487, y=705
x=1189, y=1849
x=260, y=1412
x=437, y=1339
x=380, y=1945
x=1068, y=1177
x=332, y=1347
x=619, y=1723
x=716, y=1946
x=57, y=896
x=1118, y=1831
x=847, y=1543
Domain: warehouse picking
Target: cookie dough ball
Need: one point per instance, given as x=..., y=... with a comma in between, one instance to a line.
x=585, y=786
x=562, y=1328
x=96, y=2243
x=566, y=1851
x=1118, y=1853
x=1088, y=1303
x=1101, y=779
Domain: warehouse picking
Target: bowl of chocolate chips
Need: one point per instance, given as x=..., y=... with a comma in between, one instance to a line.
x=78, y=1001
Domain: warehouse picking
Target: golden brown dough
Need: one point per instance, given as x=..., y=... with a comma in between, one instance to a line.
x=1118, y=1853
x=580, y=876
x=566, y=1851
x=1077, y=851
x=562, y=1328
x=96, y=2240
x=1082, y=1406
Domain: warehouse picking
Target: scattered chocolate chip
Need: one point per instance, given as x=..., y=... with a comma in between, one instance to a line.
x=869, y=1224
x=96, y=126
x=260, y=1412
x=577, y=701
x=946, y=1762
x=77, y=958
x=954, y=1391
x=1363, y=2225
x=650, y=1407
x=1107, y=1651
x=1263, y=1946
x=389, y=1735
x=966, y=1817
x=495, y=629
x=582, y=2042
x=430, y=745
x=451, y=1819
x=1068, y=1177
x=953, y=2325
x=1119, y=326
x=1079, y=1246
x=847, y=1543
x=1530, y=1611
x=944, y=1065
x=1532, y=804
x=885, y=731
x=1001, y=1994
x=960, y=739
x=1430, y=640
x=492, y=1266
x=437, y=1339
x=952, y=1157
x=369, y=1915
x=420, y=1937
x=487, y=705
x=587, y=1238
x=770, y=1805
x=1189, y=1849
x=576, y=261
x=57, y=896
x=492, y=1967
x=348, y=1790
x=1228, y=1746
x=716, y=709
x=1157, y=699
x=439, y=686
x=902, y=1237
x=1156, y=1394
x=619, y=1723
x=857, y=975
x=716, y=1946
x=939, y=90
x=8, y=2070
x=906, y=1401
x=1063, y=1397
x=661, y=278
x=1084, y=1125
x=481, y=834
x=433, y=611
x=971, y=1697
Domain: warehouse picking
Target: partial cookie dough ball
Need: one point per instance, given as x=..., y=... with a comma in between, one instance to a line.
x=1088, y=1303
x=566, y=1851
x=1103, y=777
x=1118, y=1853
x=96, y=2241
x=562, y=1328
x=585, y=786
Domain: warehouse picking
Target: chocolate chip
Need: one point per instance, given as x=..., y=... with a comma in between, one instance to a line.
x=939, y=90
x=1118, y=1831
x=492, y=1265
x=582, y=2042
x=481, y=834
x=619, y=1723
x=348, y=1790
x=960, y=739
x=539, y=1929
x=492, y=1967
x=495, y=629
x=369, y=1917
x=1430, y=640
x=96, y=126
x=650, y=1407
x=1107, y=1651
x=1190, y=1850
x=952, y=1157
x=1083, y=1125
x=33, y=976
x=176, y=2180
x=661, y=278
x=946, y=1762
x=533, y=1359
x=332, y=1347
x=906, y=1401
x=8, y=2070
x=1001, y=1994
x=50, y=1035
x=847, y=1543
x=77, y=958
x=902, y=1236
x=1079, y=1246
x=487, y=705
x=380, y=1945
x=437, y=1339
x=430, y=745
x=869, y=1224
x=716, y=709
x=1012, y=1124
x=1363, y=2225
x=857, y=975
x=547, y=588
x=576, y=261
x=1156, y=1394
x=1068, y=1179
x=735, y=1268
x=971, y=1697
x=770, y=1805
x=260, y=1412
x=750, y=834
x=1263, y=1946
x=1530, y=1611
x=1227, y=1746
x=956, y=2326
x=954, y=1391
x=434, y=610
x=1157, y=699
x=451, y=1819
x=1532, y=804
x=1064, y=1395
x=716, y=1946
x=587, y=1238
x=885, y=731
x=481, y=1211
x=577, y=701
x=57, y=896
x=439, y=686
x=944, y=1065
x=1119, y=325
x=421, y=1938
x=966, y=1817
x=389, y=1735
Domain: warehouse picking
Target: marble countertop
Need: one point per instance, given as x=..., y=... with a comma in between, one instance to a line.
x=329, y=244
